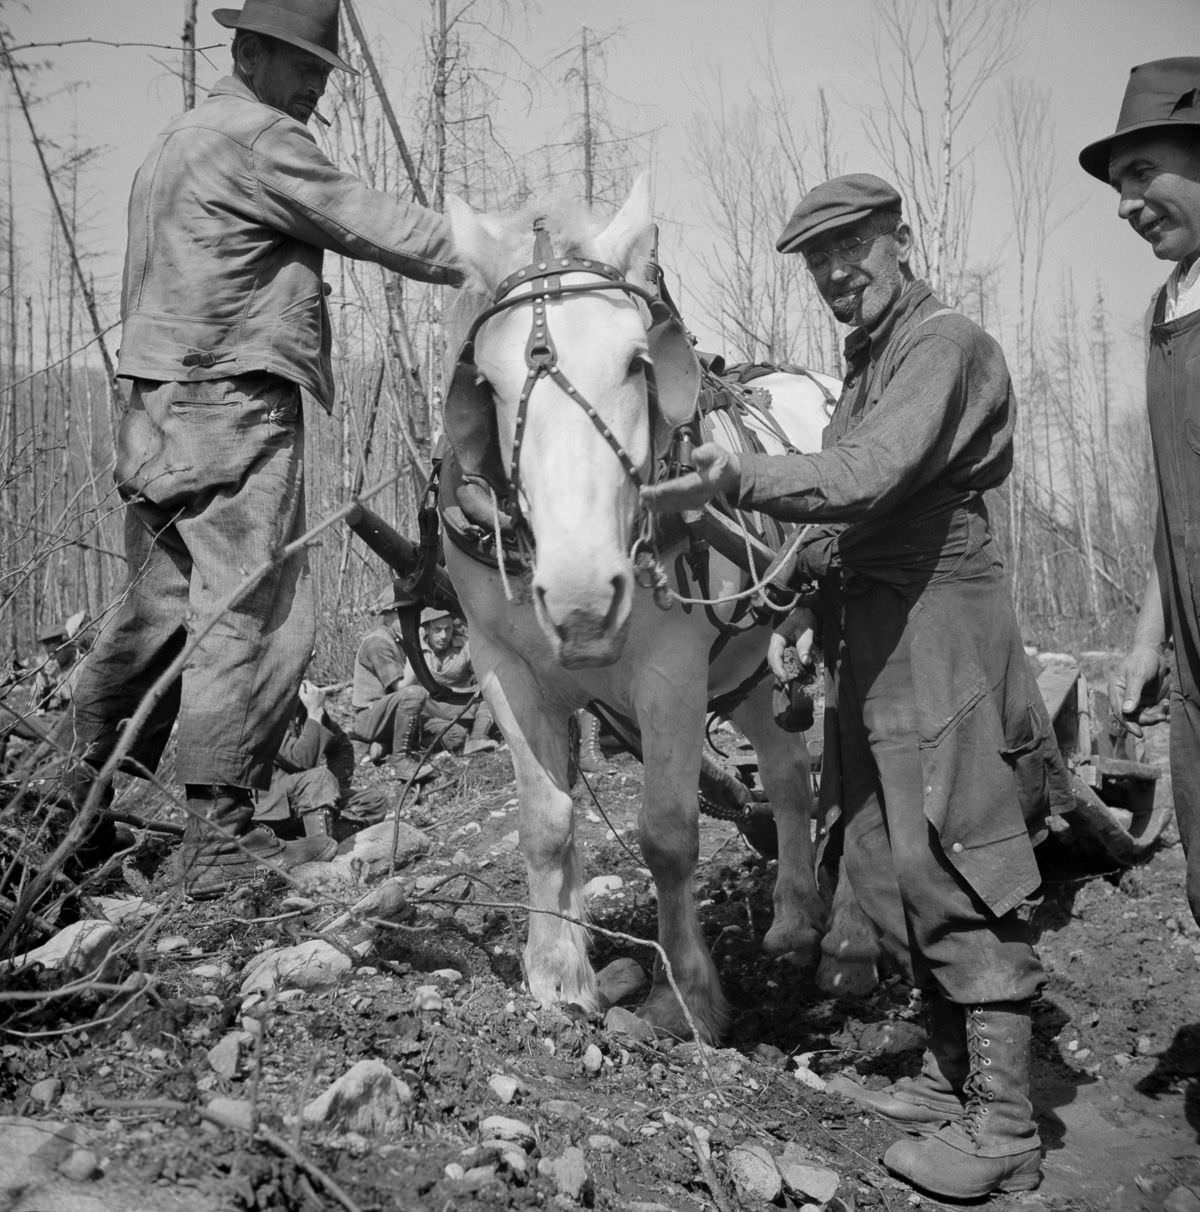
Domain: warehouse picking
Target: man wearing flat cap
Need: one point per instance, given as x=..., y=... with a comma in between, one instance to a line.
x=226, y=342
x=1152, y=160
x=937, y=744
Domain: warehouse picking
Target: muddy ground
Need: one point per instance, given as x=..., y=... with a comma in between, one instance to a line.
x=613, y=1122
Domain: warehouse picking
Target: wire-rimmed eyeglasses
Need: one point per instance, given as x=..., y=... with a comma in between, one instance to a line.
x=853, y=249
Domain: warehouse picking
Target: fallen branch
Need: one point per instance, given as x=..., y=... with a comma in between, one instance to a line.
x=262, y=1133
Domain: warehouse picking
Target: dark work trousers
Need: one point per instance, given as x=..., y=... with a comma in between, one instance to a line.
x=926, y=913
x=213, y=476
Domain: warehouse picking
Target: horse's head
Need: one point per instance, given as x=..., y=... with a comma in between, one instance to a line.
x=572, y=381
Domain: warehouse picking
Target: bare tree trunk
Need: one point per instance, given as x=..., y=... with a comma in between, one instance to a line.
x=84, y=286
x=589, y=141
x=188, y=42
x=418, y=190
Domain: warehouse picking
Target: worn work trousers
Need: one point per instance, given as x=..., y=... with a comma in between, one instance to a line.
x=213, y=476
x=931, y=923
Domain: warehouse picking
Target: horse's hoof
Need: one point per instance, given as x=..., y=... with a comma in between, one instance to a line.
x=664, y=1014
x=846, y=978
x=801, y=943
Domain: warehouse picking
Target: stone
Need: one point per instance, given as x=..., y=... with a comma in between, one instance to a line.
x=593, y=1059
x=365, y=856
x=1182, y=1199
x=428, y=998
x=566, y=1109
x=33, y=1151
x=503, y=1087
x=891, y=1036
x=47, y=1091
x=79, y=949
x=619, y=1021
x=80, y=1166
x=600, y=1142
x=172, y=944
x=804, y=1177
x=225, y=1055
x=367, y=1098
x=754, y=1174
x=602, y=885
x=569, y=1170
x=503, y=1128
x=314, y=964
x=237, y=1113
x=125, y=908
x=621, y=979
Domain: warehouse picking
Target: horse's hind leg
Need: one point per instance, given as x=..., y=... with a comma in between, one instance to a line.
x=783, y=765
x=669, y=830
x=850, y=951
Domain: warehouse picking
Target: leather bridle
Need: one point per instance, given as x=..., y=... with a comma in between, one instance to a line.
x=544, y=278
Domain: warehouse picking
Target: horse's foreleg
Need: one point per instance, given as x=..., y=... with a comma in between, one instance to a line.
x=669, y=830
x=557, y=968
x=783, y=766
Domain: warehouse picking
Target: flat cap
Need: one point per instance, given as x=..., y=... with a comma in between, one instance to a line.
x=431, y=614
x=836, y=203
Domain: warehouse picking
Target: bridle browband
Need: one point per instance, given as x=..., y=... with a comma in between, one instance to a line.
x=544, y=277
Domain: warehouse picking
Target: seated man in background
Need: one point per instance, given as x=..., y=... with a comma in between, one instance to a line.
x=311, y=790
x=40, y=715
x=381, y=715
x=448, y=658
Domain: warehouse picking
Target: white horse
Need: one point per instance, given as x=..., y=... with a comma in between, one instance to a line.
x=566, y=393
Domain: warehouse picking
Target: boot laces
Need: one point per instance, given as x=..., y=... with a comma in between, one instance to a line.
x=978, y=1085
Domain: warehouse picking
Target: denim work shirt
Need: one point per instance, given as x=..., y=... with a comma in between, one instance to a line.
x=904, y=476
x=924, y=426
x=229, y=219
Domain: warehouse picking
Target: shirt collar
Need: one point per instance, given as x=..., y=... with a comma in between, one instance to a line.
x=864, y=341
x=1183, y=291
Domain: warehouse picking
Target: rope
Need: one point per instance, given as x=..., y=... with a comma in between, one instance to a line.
x=757, y=587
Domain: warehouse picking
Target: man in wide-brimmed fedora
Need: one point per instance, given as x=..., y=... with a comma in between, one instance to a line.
x=1152, y=159
x=226, y=336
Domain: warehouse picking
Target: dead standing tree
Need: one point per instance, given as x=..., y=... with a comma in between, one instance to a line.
x=926, y=98
x=763, y=305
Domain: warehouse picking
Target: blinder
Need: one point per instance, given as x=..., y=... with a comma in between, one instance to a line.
x=676, y=374
x=470, y=422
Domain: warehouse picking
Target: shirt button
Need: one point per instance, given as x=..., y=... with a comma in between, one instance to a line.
x=957, y=847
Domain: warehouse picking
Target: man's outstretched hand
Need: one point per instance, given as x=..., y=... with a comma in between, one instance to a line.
x=717, y=470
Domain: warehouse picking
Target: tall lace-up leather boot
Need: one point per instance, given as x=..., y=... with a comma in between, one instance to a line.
x=933, y=1098
x=222, y=848
x=480, y=740
x=407, y=762
x=591, y=760
x=995, y=1146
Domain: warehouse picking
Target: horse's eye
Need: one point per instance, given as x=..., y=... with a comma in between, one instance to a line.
x=639, y=363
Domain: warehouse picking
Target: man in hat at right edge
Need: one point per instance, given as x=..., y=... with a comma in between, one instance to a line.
x=939, y=755
x=1152, y=160
x=225, y=345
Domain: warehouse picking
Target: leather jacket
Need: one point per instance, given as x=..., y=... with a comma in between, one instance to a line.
x=229, y=218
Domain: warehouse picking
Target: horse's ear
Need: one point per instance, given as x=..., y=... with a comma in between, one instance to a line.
x=628, y=240
x=476, y=243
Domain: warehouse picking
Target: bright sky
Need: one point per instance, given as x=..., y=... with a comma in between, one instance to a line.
x=662, y=67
